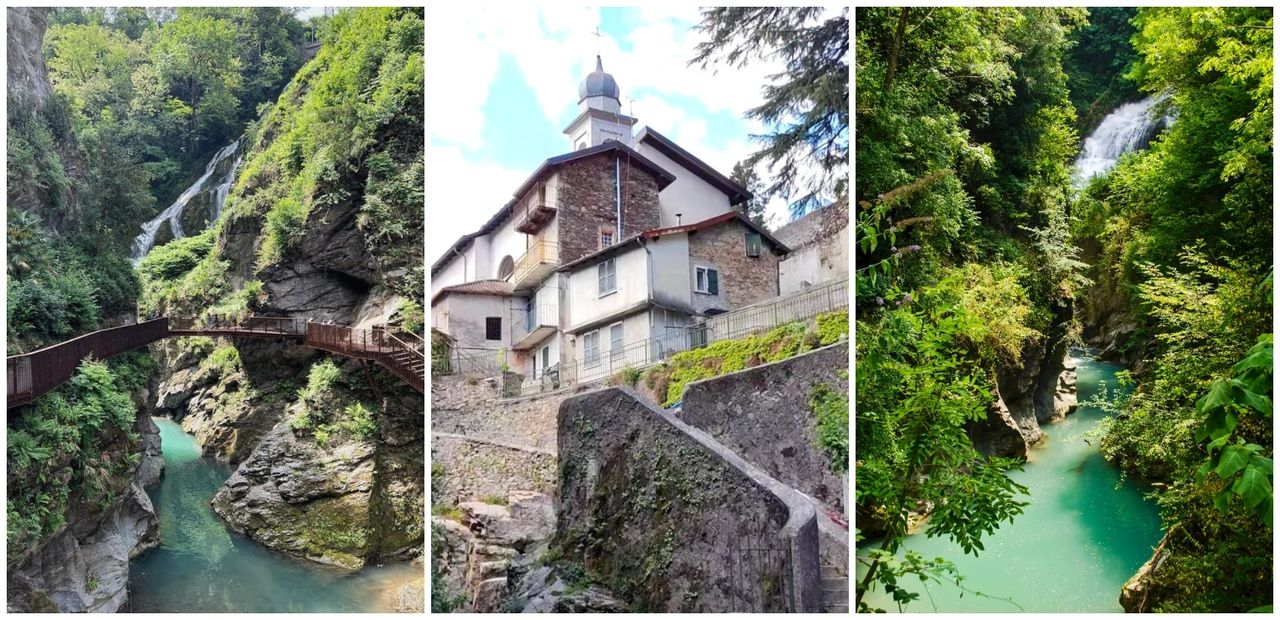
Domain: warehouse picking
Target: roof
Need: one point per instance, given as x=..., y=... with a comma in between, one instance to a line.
x=598, y=84
x=496, y=288
x=639, y=238
x=664, y=179
x=737, y=194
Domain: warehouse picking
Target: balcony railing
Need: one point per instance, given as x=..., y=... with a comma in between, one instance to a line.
x=531, y=325
x=542, y=257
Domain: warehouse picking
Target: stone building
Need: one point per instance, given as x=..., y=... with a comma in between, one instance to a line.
x=819, y=244
x=604, y=254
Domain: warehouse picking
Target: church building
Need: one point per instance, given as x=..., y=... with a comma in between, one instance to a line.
x=605, y=255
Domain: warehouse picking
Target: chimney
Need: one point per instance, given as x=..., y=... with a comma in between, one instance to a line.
x=678, y=218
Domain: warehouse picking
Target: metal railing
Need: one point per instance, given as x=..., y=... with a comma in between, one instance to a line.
x=525, y=320
x=735, y=324
x=542, y=252
x=465, y=361
x=32, y=375
x=375, y=344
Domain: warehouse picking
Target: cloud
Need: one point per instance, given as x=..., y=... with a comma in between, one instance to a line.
x=462, y=194
x=554, y=47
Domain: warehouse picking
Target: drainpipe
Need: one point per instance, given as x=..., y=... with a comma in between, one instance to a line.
x=617, y=186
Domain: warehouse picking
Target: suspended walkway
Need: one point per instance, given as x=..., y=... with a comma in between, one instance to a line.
x=32, y=375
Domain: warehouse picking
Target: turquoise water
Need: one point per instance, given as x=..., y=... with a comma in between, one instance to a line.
x=1077, y=542
x=201, y=565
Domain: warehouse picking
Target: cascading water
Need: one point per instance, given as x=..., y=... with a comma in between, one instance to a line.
x=173, y=214
x=1130, y=127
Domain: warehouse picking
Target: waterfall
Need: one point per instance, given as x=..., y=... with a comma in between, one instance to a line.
x=1130, y=127
x=173, y=213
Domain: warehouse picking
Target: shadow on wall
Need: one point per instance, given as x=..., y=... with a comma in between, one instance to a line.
x=671, y=521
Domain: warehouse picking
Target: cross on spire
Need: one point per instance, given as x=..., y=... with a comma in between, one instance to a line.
x=597, y=35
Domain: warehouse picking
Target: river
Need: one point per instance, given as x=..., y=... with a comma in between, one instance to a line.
x=202, y=566
x=1083, y=534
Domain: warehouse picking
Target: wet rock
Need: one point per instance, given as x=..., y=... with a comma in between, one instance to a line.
x=303, y=500
x=1135, y=595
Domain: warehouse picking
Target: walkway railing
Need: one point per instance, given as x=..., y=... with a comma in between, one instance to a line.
x=32, y=375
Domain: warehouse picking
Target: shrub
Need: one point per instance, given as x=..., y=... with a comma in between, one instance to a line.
x=176, y=258
x=831, y=409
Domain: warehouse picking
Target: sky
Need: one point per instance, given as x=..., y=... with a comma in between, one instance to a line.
x=503, y=84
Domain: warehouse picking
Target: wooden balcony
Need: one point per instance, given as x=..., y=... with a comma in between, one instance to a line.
x=536, y=264
x=535, y=218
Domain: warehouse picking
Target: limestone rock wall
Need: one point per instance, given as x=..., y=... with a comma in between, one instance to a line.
x=85, y=567
x=670, y=520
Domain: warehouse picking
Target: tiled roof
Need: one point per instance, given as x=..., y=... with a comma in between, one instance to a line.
x=779, y=247
x=497, y=288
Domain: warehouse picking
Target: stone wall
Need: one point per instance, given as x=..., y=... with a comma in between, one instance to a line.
x=471, y=407
x=475, y=469
x=819, y=244
x=763, y=414
x=672, y=521
x=588, y=200
x=743, y=280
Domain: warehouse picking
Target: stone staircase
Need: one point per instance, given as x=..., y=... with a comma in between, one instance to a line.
x=835, y=590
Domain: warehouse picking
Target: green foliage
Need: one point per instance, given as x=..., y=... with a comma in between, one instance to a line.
x=831, y=410
x=176, y=258
x=728, y=356
x=806, y=106
x=328, y=410
x=833, y=327
x=1096, y=64
x=56, y=449
x=630, y=376
x=225, y=360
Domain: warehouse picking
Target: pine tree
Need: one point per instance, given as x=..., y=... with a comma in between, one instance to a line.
x=806, y=107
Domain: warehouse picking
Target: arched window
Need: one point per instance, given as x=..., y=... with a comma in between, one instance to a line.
x=506, y=267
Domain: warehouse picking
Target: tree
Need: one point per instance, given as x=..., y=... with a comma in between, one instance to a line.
x=745, y=175
x=806, y=108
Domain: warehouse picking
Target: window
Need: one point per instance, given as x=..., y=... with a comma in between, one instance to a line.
x=591, y=347
x=546, y=357
x=754, y=243
x=506, y=268
x=607, y=274
x=493, y=328
x=706, y=280
x=615, y=341
x=606, y=236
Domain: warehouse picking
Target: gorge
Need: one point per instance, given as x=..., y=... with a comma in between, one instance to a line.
x=219, y=473
x=1047, y=184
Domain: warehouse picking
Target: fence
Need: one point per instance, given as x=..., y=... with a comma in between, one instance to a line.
x=736, y=324
x=376, y=344
x=465, y=361
x=32, y=375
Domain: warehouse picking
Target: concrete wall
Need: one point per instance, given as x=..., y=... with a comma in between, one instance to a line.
x=688, y=195
x=636, y=328
x=584, y=301
x=465, y=317
x=457, y=271
x=670, y=520
x=763, y=415
x=669, y=257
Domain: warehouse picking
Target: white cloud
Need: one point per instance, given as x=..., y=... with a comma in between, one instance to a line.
x=462, y=194
x=554, y=48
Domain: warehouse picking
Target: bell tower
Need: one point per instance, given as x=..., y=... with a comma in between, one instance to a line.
x=600, y=116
